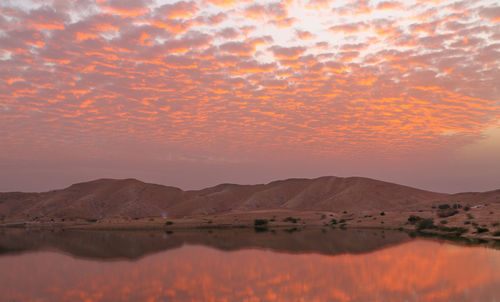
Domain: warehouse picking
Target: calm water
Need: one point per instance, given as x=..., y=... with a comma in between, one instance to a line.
x=242, y=265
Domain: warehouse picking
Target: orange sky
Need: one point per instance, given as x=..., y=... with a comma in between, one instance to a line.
x=194, y=93
x=415, y=271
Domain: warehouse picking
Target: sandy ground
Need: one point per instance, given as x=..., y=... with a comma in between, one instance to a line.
x=487, y=217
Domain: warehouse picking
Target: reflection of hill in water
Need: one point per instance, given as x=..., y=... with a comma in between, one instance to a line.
x=136, y=244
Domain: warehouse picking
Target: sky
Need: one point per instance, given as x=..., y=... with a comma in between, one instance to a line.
x=196, y=93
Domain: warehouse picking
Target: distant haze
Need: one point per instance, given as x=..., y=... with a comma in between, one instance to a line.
x=196, y=93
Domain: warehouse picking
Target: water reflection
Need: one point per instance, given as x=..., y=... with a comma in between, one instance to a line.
x=135, y=244
x=415, y=270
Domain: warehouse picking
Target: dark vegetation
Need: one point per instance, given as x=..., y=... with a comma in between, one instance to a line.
x=456, y=230
x=425, y=224
x=260, y=222
x=482, y=230
x=291, y=219
x=169, y=223
x=414, y=219
x=446, y=212
x=260, y=225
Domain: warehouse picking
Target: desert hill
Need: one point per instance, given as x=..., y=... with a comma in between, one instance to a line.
x=132, y=198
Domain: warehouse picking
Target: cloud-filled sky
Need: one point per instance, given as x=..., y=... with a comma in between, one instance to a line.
x=194, y=93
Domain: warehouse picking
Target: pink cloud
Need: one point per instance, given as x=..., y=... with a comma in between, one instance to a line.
x=111, y=69
x=287, y=52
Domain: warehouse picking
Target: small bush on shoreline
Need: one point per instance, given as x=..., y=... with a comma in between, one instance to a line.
x=426, y=224
x=291, y=219
x=260, y=222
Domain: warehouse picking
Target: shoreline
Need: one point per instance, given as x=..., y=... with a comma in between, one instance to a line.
x=468, y=223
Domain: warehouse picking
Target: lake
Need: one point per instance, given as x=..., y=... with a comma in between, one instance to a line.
x=242, y=265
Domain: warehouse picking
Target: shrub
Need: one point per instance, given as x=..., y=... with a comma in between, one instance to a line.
x=333, y=221
x=341, y=220
x=382, y=213
x=261, y=222
x=466, y=208
x=424, y=224
x=469, y=216
x=290, y=219
x=457, y=206
x=447, y=213
x=345, y=212
x=323, y=216
x=414, y=219
x=458, y=230
x=482, y=230
x=497, y=233
x=467, y=222
x=495, y=224
x=444, y=222
x=169, y=223
x=92, y=220
x=444, y=206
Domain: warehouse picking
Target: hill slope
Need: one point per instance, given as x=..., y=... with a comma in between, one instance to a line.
x=135, y=199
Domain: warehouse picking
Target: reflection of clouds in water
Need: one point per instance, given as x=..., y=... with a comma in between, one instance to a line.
x=415, y=271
